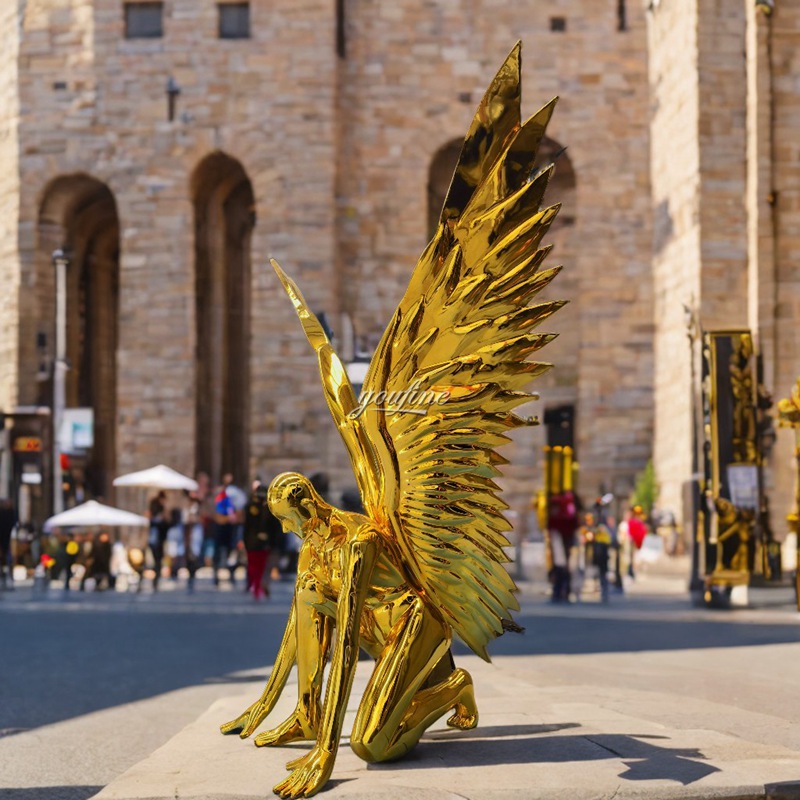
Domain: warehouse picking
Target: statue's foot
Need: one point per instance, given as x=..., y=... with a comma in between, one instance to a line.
x=295, y=729
x=465, y=714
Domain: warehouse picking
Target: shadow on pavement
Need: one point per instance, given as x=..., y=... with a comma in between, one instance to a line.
x=497, y=731
x=51, y=793
x=520, y=744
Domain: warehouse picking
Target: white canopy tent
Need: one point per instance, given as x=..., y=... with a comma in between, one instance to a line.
x=160, y=477
x=92, y=514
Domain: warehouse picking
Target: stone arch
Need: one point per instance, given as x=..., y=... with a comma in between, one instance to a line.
x=224, y=216
x=560, y=189
x=78, y=213
x=440, y=174
x=558, y=388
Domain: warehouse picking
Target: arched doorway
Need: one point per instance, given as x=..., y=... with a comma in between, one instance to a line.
x=440, y=174
x=559, y=387
x=224, y=216
x=78, y=214
x=560, y=188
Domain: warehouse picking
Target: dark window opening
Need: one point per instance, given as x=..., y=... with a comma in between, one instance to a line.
x=622, y=16
x=558, y=24
x=144, y=20
x=559, y=425
x=341, y=42
x=234, y=20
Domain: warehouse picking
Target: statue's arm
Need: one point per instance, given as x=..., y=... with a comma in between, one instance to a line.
x=343, y=406
x=247, y=722
x=312, y=771
x=358, y=562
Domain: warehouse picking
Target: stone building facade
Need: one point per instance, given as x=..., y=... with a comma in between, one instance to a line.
x=171, y=165
x=726, y=207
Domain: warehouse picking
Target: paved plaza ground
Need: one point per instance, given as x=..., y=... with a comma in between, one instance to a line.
x=120, y=696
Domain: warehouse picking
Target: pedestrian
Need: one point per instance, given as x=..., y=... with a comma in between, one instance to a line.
x=69, y=552
x=320, y=482
x=256, y=539
x=277, y=548
x=598, y=544
x=205, y=495
x=637, y=531
x=98, y=565
x=8, y=521
x=667, y=529
x=193, y=536
x=351, y=501
x=173, y=544
x=224, y=535
x=159, y=527
x=562, y=523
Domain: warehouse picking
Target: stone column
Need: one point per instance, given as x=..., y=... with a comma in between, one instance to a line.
x=781, y=34
x=697, y=80
x=9, y=206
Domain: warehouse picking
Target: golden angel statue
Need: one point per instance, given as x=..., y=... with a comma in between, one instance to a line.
x=425, y=560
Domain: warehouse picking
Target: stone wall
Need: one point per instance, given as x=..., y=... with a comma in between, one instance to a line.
x=725, y=233
x=268, y=102
x=413, y=75
x=723, y=152
x=9, y=207
x=785, y=44
x=698, y=178
x=338, y=152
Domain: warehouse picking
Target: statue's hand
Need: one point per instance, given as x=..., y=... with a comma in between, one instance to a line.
x=309, y=774
x=248, y=720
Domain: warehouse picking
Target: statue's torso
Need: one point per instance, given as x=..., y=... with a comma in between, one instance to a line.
x=320, y=567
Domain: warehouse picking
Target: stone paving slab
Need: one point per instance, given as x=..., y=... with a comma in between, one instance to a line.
x=535, y=741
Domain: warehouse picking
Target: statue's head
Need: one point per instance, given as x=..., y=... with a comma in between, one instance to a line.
x=294, y=501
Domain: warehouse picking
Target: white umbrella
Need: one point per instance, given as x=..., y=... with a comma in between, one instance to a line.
x=94, y=513
x=159, y=477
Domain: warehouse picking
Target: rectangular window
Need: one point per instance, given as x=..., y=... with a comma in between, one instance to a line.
x=144, y=20
x=234, y=20
x=558, y=24
x=341, y=42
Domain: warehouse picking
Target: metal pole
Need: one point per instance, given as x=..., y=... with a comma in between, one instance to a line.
x=797, y=512
x=5, y=464
x=693, y=333
x=60, y=262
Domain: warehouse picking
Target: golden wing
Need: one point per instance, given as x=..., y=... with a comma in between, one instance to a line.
x=465, y=328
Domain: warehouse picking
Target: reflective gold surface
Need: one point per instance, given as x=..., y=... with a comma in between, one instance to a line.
x=426, y=560
x=789, y=417
x=731, y=431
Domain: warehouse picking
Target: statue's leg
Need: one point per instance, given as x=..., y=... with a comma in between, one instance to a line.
x=313, y=633
x=395, y=710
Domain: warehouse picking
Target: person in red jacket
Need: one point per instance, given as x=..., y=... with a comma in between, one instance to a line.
x=562, y=523
x=637, y=530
